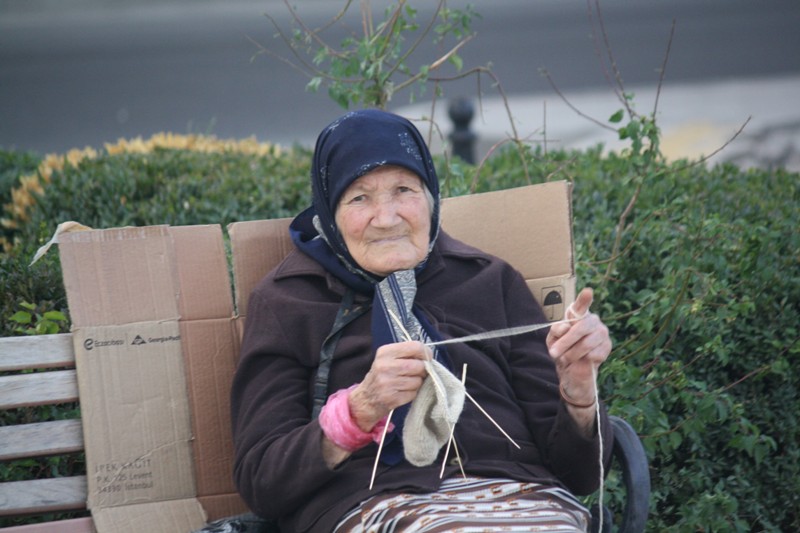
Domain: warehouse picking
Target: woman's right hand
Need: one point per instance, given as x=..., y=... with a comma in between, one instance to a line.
x=393, y=380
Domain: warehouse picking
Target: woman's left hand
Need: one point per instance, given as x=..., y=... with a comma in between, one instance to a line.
x=578, y=349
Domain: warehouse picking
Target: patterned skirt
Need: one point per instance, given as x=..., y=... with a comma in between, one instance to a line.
x=471, y=505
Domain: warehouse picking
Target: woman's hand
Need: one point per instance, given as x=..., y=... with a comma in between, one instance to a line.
x=393, y=380
x=578, y=349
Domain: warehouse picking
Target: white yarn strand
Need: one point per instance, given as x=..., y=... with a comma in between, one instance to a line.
x=601, y=489
x=505, y=332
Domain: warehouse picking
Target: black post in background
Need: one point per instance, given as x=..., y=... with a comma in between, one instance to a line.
x=461, y=112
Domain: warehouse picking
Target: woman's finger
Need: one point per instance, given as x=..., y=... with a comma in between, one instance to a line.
x=576, y=312
x=594, y=347
x=582, y=303
x=574, y=333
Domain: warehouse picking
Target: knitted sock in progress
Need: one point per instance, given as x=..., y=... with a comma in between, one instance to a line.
x=433, y=414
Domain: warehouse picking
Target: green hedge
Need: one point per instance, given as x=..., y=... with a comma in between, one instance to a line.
x=704, y=309
x=702, y=301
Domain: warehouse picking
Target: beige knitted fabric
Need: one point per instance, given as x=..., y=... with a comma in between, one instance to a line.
x=435, y=410
x=433, y=414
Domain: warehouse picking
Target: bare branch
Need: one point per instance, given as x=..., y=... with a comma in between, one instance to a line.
x=599, y=52
x=560, y=168
x=485, y=158
x=461, y=75
x=292, y=47
x=607, y=45
x=367, y=26
x=761, y=369
x=418, y=42
x=620, y=228
x=301, y=65
x=435, y=65
x=629, y=246
x=439, y=62
x=388, y=27
x=663, y=68
x=314, y=34
x=571, y=106
x=544, y=128
x=428, y=28
x=718, y=150
x=336, y=18
x=433, y=124
x=519, y=143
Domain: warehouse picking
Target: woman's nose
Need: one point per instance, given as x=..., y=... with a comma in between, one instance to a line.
x=385, y=213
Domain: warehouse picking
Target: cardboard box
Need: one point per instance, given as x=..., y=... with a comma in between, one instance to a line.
x=531, y=228
x=156, y=346
x=156, y=333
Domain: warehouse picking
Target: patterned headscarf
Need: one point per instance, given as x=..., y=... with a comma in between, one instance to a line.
x=348, y=148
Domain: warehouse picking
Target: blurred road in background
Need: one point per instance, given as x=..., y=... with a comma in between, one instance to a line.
x=86, y=72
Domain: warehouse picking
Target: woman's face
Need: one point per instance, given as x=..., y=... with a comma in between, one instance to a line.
x=385, y=219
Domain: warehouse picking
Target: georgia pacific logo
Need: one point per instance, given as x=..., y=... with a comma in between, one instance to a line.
x=138, y=341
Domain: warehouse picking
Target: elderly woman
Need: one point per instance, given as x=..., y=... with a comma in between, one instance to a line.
x=343, y=411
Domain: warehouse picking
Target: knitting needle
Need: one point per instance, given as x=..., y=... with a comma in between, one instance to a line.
x=491, y=419
x=389, y=416
x=380, y=447
x=452, y=431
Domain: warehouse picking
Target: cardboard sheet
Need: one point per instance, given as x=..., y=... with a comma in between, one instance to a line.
x=156, y=347
x=135, y=413
x=120, y=276
x=530, y=227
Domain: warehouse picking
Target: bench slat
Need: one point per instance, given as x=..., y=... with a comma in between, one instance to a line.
x=40, y=439
x=76, y=525
x=39, y=388
x=43, y=495
x=38, y=351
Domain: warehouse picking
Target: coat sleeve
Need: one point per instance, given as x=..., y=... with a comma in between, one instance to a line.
x=275, y=439
x=568, y=454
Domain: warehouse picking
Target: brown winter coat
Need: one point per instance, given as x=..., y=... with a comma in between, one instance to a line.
x=279, y=468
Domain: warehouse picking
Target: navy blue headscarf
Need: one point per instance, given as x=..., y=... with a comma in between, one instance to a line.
x=348, y=148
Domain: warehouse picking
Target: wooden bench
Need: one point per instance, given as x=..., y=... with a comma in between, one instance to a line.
x=39, y=371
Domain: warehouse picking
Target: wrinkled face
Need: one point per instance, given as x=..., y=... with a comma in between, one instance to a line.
x=385, y=219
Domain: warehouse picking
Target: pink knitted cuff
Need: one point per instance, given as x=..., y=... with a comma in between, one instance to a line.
x=339, y=426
